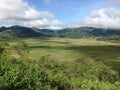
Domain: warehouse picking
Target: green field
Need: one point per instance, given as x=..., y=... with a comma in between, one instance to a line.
x=65, y=49
x=59, y=64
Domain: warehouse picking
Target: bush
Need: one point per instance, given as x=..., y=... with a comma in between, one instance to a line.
x=47, y=74
x=2, y=48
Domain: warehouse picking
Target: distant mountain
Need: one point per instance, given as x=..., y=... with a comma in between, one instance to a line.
x=87, y=32
x=23, y=32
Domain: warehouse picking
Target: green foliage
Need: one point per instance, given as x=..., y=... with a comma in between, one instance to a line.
x=16, y=74
x=48, y=74
x=115, y=39
x=2, y=48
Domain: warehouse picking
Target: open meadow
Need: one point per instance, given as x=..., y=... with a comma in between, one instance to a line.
x=59, y=64
x=69, y=50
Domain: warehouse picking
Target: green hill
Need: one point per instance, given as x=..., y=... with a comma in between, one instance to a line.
x=115, y=38
x=23, y=32
x=87, y=32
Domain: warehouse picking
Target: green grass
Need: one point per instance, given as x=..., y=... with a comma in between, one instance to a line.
x=65, y=49
x=59, y=64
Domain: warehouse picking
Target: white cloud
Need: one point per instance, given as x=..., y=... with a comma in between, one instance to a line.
x=47, y=14
x=114, y=1
x=37, y=23
x=56, y=22
x=20, y=12
x=107, y=18
x=14, y=12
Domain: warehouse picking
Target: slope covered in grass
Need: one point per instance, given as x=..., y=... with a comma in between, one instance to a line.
x=48, y=74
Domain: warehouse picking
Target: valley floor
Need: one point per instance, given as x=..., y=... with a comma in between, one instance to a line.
x=59, y=64
x=65, y=49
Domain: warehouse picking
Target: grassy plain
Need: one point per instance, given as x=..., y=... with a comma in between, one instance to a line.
x=70, y=50
x=59, y=64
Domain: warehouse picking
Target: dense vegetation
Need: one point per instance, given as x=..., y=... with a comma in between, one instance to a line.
x=20, y=72
x=22, y=32
x=87, y=32
x=30, y=60
x=115, y=39
x=19, y=32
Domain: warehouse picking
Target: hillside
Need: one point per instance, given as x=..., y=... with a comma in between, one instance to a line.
x=115, y=38
x=22, y=32
x=87, y=32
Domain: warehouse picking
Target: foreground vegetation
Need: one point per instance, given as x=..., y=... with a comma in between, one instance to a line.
x=59, y=64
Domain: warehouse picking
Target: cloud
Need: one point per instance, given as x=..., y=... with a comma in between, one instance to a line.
x=13, y=12
x=106, y=18
x=36, y=23
x=20, y=12
x=114, y=2
x=44, y=23
x=17, y=10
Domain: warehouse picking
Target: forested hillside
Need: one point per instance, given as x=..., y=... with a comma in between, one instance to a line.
x=23, y=32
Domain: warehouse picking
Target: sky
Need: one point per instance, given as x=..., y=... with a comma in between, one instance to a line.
x=57, y=14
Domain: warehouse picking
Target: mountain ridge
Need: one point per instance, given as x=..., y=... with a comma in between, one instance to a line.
x=24, y=32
